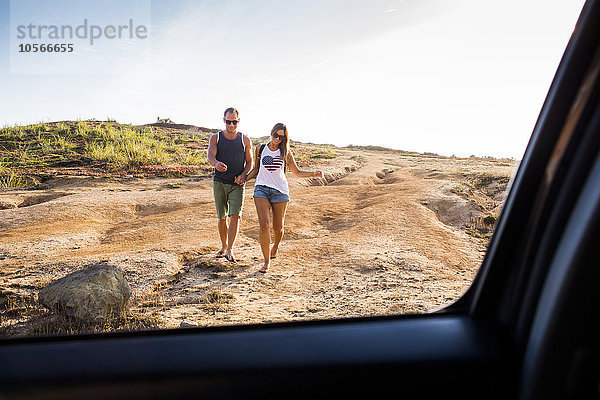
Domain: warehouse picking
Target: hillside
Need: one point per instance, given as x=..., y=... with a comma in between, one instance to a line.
x=32, y=154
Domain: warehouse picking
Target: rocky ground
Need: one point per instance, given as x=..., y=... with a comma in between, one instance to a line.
x=385, y=233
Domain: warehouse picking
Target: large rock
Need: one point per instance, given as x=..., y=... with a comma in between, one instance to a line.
x=94, y=293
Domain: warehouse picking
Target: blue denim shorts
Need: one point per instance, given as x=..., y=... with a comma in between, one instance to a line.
x=273, y=195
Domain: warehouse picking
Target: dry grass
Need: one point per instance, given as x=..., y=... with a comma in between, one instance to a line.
x=216, y=300
x=23, y=315
x=32, y=154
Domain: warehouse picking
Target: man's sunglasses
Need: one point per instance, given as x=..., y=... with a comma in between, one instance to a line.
x=228, y=121
x=278, y=136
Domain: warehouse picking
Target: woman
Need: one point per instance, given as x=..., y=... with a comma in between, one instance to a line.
x=271, y=190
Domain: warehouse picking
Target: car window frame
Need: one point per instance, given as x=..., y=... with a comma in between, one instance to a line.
x=475, y=335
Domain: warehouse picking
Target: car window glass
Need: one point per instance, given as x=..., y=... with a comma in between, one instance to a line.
x=405, y=119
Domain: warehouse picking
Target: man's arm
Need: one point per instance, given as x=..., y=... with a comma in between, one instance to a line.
x=241, y=179
x=211, y=155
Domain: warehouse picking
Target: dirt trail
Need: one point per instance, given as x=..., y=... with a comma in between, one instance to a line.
x=384, y=233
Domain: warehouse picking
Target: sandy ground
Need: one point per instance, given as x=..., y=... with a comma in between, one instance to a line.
x=385, y=234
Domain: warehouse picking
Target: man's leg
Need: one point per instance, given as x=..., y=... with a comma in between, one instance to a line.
x=221, y=205
x=232, y=232
x=235, y=201
x=222, y=224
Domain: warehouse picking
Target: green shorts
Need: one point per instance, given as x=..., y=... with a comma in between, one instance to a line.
x=229, y=199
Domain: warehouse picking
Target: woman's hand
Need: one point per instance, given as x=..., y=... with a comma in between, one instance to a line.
x=240, y=179
x=319, y=174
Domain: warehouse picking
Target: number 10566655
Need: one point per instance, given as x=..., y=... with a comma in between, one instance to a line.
x=45, y=48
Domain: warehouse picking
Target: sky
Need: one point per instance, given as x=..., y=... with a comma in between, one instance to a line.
x=452, y=77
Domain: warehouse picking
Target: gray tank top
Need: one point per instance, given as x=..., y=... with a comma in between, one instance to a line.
x=233, y=154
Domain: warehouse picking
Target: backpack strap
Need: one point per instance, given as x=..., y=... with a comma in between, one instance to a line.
x=259, y=151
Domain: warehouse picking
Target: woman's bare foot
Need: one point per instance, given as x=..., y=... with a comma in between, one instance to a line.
x=274, y=252
x=264, y=268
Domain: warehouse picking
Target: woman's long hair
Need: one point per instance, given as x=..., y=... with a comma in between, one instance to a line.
x=284, y=145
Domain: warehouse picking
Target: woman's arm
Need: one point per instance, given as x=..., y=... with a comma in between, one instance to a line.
x=296, y=171
x=254, y=171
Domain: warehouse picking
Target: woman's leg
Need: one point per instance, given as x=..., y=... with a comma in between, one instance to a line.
x=263, y=209
x=278, y=223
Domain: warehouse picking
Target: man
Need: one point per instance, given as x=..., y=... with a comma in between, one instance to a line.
x=230, y=152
